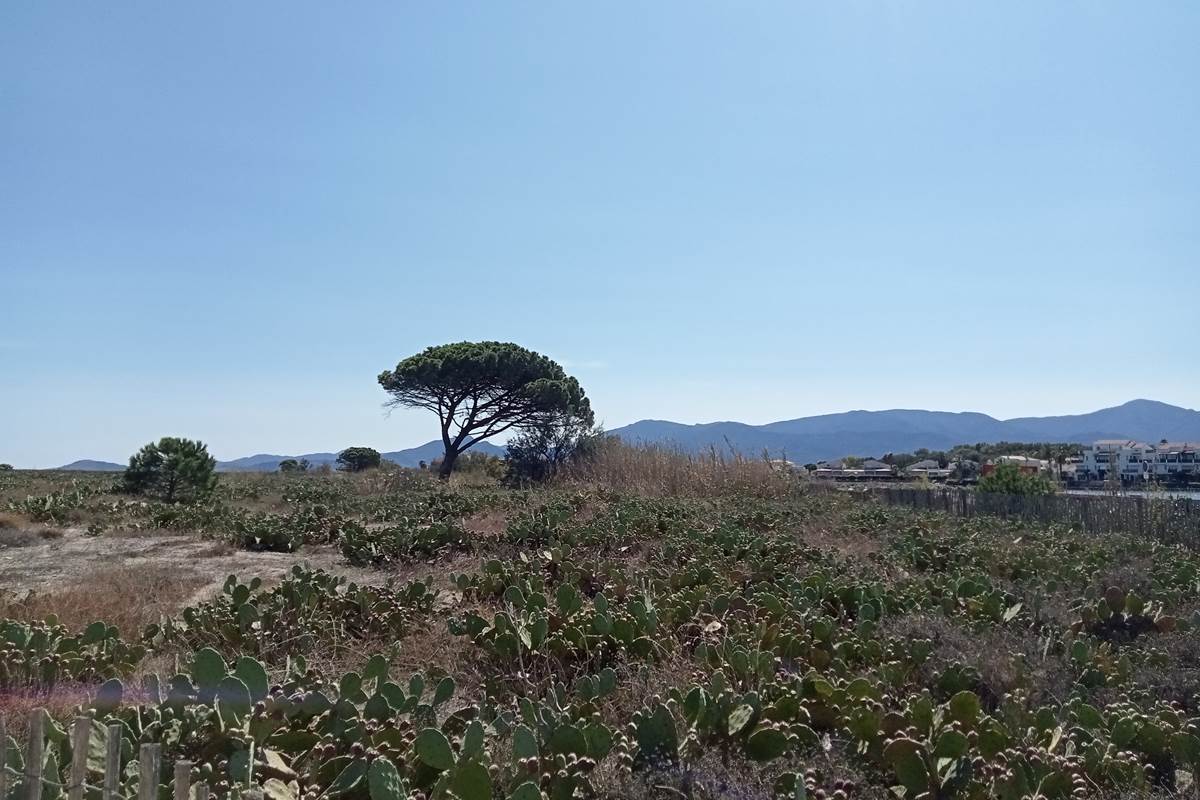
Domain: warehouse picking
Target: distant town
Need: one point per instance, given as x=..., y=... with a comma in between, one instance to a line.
x=1104, y=463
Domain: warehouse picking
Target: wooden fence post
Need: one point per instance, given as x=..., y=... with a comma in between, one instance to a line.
x=35, y=756
x=3, y=758
x=149, y=761
x=112, y=762
x=81, y=732
x=183, y=779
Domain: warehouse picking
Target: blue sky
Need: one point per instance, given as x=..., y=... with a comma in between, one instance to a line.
x=223, y=220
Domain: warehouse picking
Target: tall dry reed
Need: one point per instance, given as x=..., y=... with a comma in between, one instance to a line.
x=657, y=470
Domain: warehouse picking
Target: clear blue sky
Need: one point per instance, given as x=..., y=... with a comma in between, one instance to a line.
x=223, y=220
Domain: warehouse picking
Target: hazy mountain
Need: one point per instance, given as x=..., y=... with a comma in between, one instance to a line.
x=428, y=452
x=411, y=457
x=267, y=462
x=87, y=465
x=877, y=432
x=1144, y=420
x=832, y=435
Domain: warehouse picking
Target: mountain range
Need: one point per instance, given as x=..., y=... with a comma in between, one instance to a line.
x=267, y=462
x=831, y=436
x=875, y=433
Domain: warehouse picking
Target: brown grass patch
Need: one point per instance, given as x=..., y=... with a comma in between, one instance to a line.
x=9, y=521
x=993, y=651
x=832, y=531
x=217, y=550
x=128, y=597
x=17, y=707
x=15, y=537
x=489, y=524
x=23, y=535
x=658, y=471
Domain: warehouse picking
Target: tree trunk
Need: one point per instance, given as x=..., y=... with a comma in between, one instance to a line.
x=447, y=466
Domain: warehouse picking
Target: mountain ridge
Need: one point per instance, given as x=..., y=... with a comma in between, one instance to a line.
x=861, y=432
x=829, y=436
x=269, y=462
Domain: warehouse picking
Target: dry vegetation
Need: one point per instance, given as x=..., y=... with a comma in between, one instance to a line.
x=128, y=597
x=658, y=471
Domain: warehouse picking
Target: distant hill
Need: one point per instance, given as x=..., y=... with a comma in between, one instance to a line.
x=903, y=430
x=267, y=462
x=87, y=465
x=1145, y=420
x=411, y=457
x=428, y=452
x=830, y=436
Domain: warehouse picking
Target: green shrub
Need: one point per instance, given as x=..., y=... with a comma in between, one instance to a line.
x=356, y=459
x=1009, y=479
x=172, y=469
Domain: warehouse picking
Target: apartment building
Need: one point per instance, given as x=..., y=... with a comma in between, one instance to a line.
x=1138, y=461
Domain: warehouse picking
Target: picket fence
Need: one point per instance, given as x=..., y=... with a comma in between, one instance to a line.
x=1172, y=521
x=34, y=780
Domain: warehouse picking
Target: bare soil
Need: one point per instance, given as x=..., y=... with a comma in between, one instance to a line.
x=48, y=566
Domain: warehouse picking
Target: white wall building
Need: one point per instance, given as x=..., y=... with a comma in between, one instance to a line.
x=1135, y=461
x=1175, y=460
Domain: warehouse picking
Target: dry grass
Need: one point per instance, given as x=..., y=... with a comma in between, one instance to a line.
x=662, y=471
x=128, y=597
x=17, y=707
x=12, y=521
x=714, y=777
x=16, y=537
x=217, y=550
x=1007, y=658
x=16, y=531
x=487, y=524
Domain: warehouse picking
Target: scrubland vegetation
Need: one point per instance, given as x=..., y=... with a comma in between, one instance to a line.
x=646, y=625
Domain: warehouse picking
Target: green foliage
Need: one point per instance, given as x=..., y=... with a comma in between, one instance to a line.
x=172, y=470
x=6, y=467
x=480, y=389
x=37, y=657
x=984, y=451
x=539, y=452
x=292, y=466
x=357, y=459
x=646, y=640
x=1009, y=479
x=309, y=611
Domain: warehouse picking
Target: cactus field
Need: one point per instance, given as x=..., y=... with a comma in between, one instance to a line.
x=574, y=642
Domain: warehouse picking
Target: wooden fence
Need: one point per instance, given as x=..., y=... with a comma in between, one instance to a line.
x=32, y=780
x=1170, y=520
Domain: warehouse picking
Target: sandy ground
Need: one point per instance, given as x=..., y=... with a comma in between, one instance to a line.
x=48, y=564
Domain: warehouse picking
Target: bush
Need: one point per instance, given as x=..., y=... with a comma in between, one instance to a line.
x=1009, y=479
x=173, y=470
x=538, y=453
x=356, y=459
x=475, y=467
x=292, y=465
x=6, y=467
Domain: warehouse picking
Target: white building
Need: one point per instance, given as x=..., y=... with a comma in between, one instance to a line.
x=1175, y=460
x=1136, y=461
